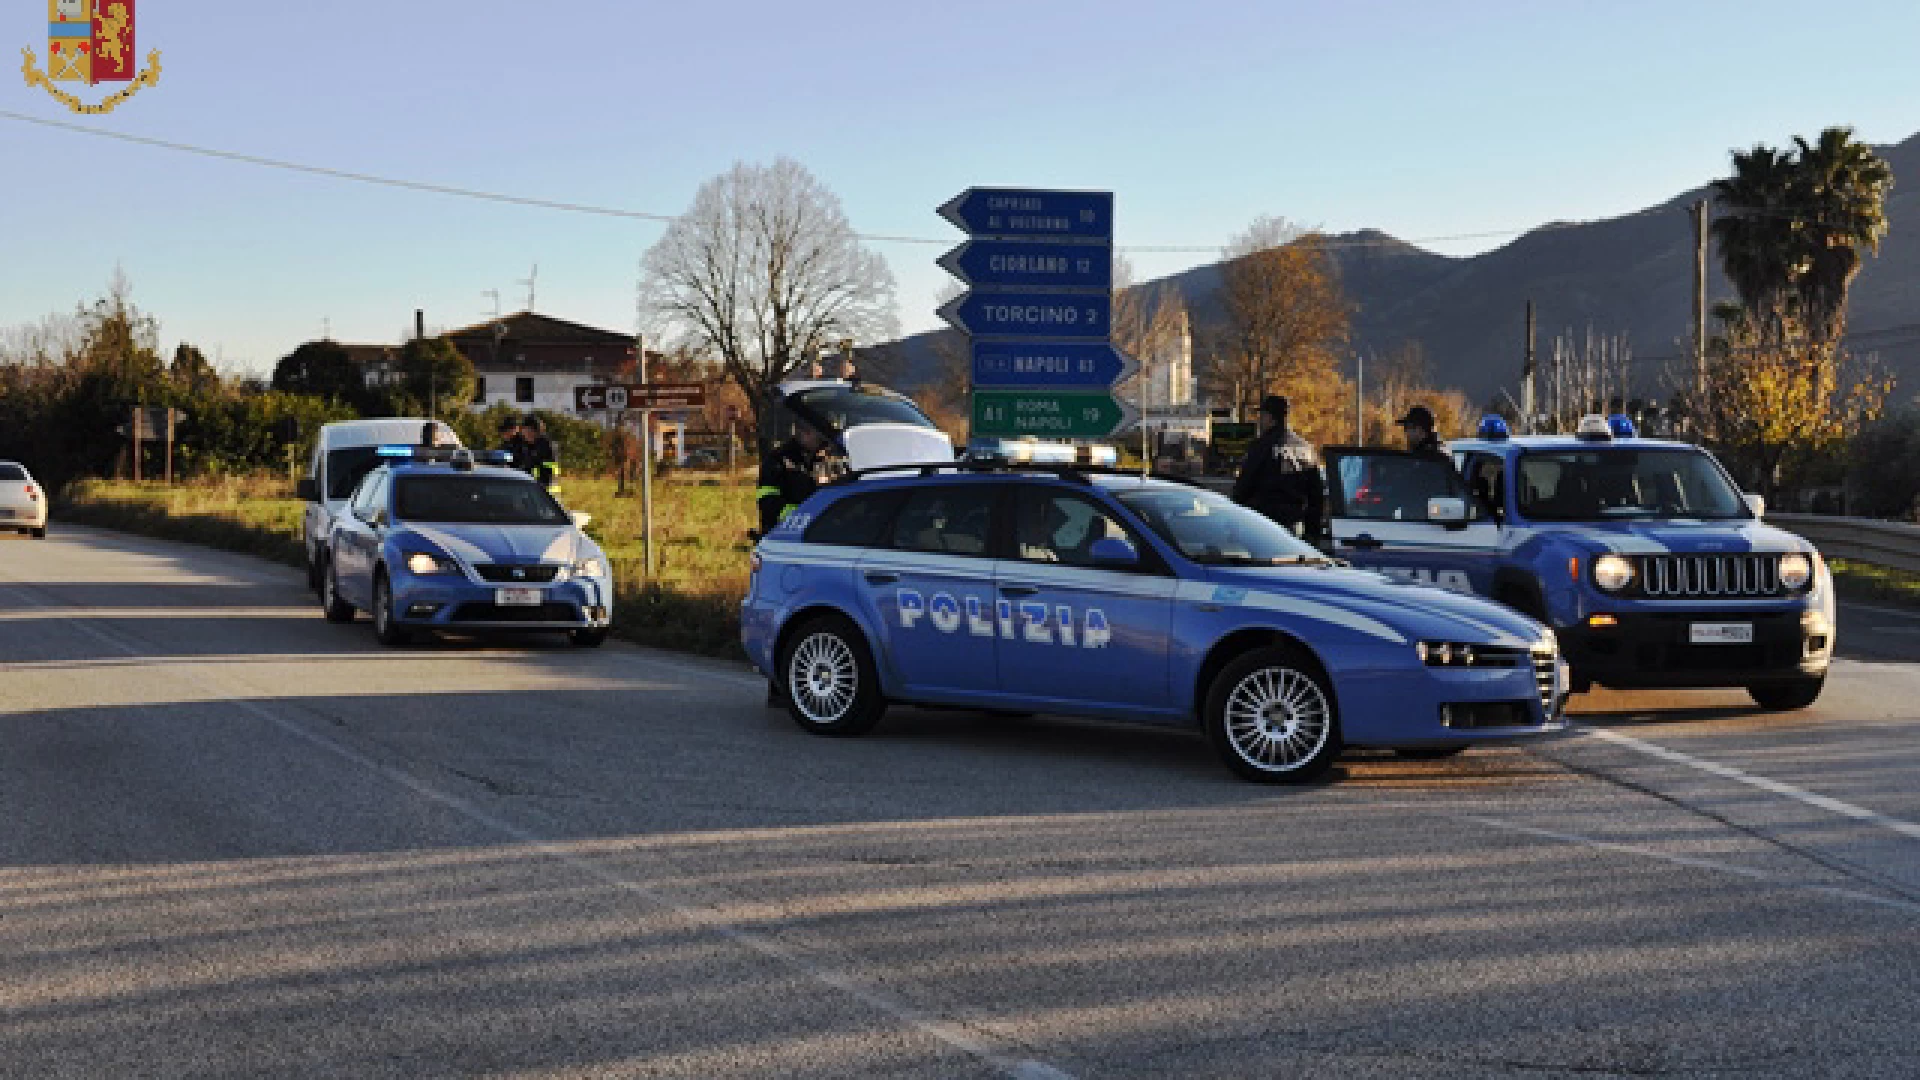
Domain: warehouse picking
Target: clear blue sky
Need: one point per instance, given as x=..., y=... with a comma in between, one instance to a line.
x=1425, y=119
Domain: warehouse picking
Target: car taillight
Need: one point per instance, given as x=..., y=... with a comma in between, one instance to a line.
x=33, y=494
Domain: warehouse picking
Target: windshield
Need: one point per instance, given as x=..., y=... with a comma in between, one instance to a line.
x=843, y=407
x=1597, y=485
x=477, y=500
x=345, y=468
x=1211, y=529
x=10, y=471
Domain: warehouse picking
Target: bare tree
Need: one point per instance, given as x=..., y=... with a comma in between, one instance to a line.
x=761, y=272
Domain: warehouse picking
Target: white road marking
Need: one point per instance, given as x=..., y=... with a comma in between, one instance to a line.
x=1768, y=784
x=1690, y=861
x=902, y=1011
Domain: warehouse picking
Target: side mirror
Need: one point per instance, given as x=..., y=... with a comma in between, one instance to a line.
x=1447, y=511
x=307, y=490
x=1113, y=553
x=1756, y=504
x=580, y=519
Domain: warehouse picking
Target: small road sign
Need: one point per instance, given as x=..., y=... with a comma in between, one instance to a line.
x=1031, y=315
x=615, y=396
x=1027, y=264
x=1084, y=365
x=1025, y=212
x=1049, y=414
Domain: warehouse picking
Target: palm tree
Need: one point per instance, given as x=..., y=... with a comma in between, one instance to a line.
x=1755, y=229
x=1841, y=197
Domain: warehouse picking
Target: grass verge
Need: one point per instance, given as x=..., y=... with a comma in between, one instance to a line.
x=692, y=604
x=1875, y=584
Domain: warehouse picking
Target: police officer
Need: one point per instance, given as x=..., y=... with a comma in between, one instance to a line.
x=1281, y=476
x=513, y=442
x=539, y=457
x=787, y=475
x=1421, y=436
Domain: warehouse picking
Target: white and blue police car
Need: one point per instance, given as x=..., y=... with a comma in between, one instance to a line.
x=432, y=541
x=1650, y=565
x=1072, y=590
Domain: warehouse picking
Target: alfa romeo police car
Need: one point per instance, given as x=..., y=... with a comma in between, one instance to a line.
x=431, y=541
x=1062, y=589
x=1643, y=555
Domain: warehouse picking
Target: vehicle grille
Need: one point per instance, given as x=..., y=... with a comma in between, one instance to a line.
x=532, y=573
x=1545, y=667
x=1694, y=577
x=541, y=613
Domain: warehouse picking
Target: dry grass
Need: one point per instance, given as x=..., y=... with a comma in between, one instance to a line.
x=692, y=604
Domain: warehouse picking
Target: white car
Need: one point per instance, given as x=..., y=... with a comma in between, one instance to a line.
x=342, y=454
x=23, y=503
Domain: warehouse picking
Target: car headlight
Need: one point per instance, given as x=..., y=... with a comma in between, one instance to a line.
x=422, y=563
x=1613, y=572
x=1796, y=570
x=590, y=567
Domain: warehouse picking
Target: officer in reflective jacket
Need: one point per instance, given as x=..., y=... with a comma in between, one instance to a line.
x=1281, y=476
x=787, y=476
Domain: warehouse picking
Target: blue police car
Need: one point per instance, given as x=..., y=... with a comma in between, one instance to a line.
x=1643, y=555
x=1069, y=590
x=433, y=542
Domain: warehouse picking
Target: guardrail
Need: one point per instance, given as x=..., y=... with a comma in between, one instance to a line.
x=1867, y=540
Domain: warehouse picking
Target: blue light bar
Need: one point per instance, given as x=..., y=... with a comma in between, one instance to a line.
x=395, y=451
x=1621, y=425
x=1494, y=428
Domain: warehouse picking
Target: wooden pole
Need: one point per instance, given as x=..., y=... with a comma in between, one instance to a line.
x=169, y=447
x=139, y=418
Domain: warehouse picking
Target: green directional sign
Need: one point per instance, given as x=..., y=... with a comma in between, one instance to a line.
x=1047, y=414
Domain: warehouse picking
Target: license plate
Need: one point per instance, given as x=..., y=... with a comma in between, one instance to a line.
x=6, y=513
x=1721, y=633
x=516, y=597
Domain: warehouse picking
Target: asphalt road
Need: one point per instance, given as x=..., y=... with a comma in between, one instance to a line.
x=238, y=841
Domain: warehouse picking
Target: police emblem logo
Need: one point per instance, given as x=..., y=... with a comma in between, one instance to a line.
x=90, y=42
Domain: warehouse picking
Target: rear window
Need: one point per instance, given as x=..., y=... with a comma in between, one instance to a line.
x=10, y=471
x=855, y=521
x=347, y=466
x=954, y=519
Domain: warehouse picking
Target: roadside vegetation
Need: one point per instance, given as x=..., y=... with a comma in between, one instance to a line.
x=1875, y=584
x=690, y=604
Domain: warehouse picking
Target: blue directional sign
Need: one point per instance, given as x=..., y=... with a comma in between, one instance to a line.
x=1089, y=365
x=1032, y=315
x=1022, y=212
x=1018, y=264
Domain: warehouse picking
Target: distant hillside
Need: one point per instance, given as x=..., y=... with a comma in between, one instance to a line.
x=1628, y=275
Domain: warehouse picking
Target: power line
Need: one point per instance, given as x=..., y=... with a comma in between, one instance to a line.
x=642, y=215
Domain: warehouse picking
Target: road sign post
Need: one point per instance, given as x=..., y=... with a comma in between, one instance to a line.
x=643, y=399
x=1039, y=265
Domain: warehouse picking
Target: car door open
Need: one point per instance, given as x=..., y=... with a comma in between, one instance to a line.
x=1411, y=516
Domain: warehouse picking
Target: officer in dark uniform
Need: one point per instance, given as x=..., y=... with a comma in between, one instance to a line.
x=1281, y=476
x=513, y=443
x=1421, y=436
x=787, y=476
x=539, y=458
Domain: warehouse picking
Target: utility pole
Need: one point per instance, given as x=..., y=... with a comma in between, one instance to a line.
x=433, y=380
x=139, y=417
x=1359, y=399
x=531, y=282
x=1527, y=370
x=646, y=463
x=169, y=473
x=1700, y=303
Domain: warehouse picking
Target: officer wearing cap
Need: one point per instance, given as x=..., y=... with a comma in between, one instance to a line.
x=1281, y=475
x=1421, y=436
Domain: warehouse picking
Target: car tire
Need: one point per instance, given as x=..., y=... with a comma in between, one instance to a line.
x=1787, y=696
x=40, y=533
x=1271, y=717
x=386, y=628
x=588, y=639
x=829, y=682
x=335, y=609
x=313, y=574
x=1427, y=753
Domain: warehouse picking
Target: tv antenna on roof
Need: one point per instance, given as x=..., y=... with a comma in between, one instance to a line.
x=494, y=294
x=530, y=283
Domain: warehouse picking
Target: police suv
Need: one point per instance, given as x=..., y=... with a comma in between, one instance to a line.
x=1643, y=555
x=1065, y=589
